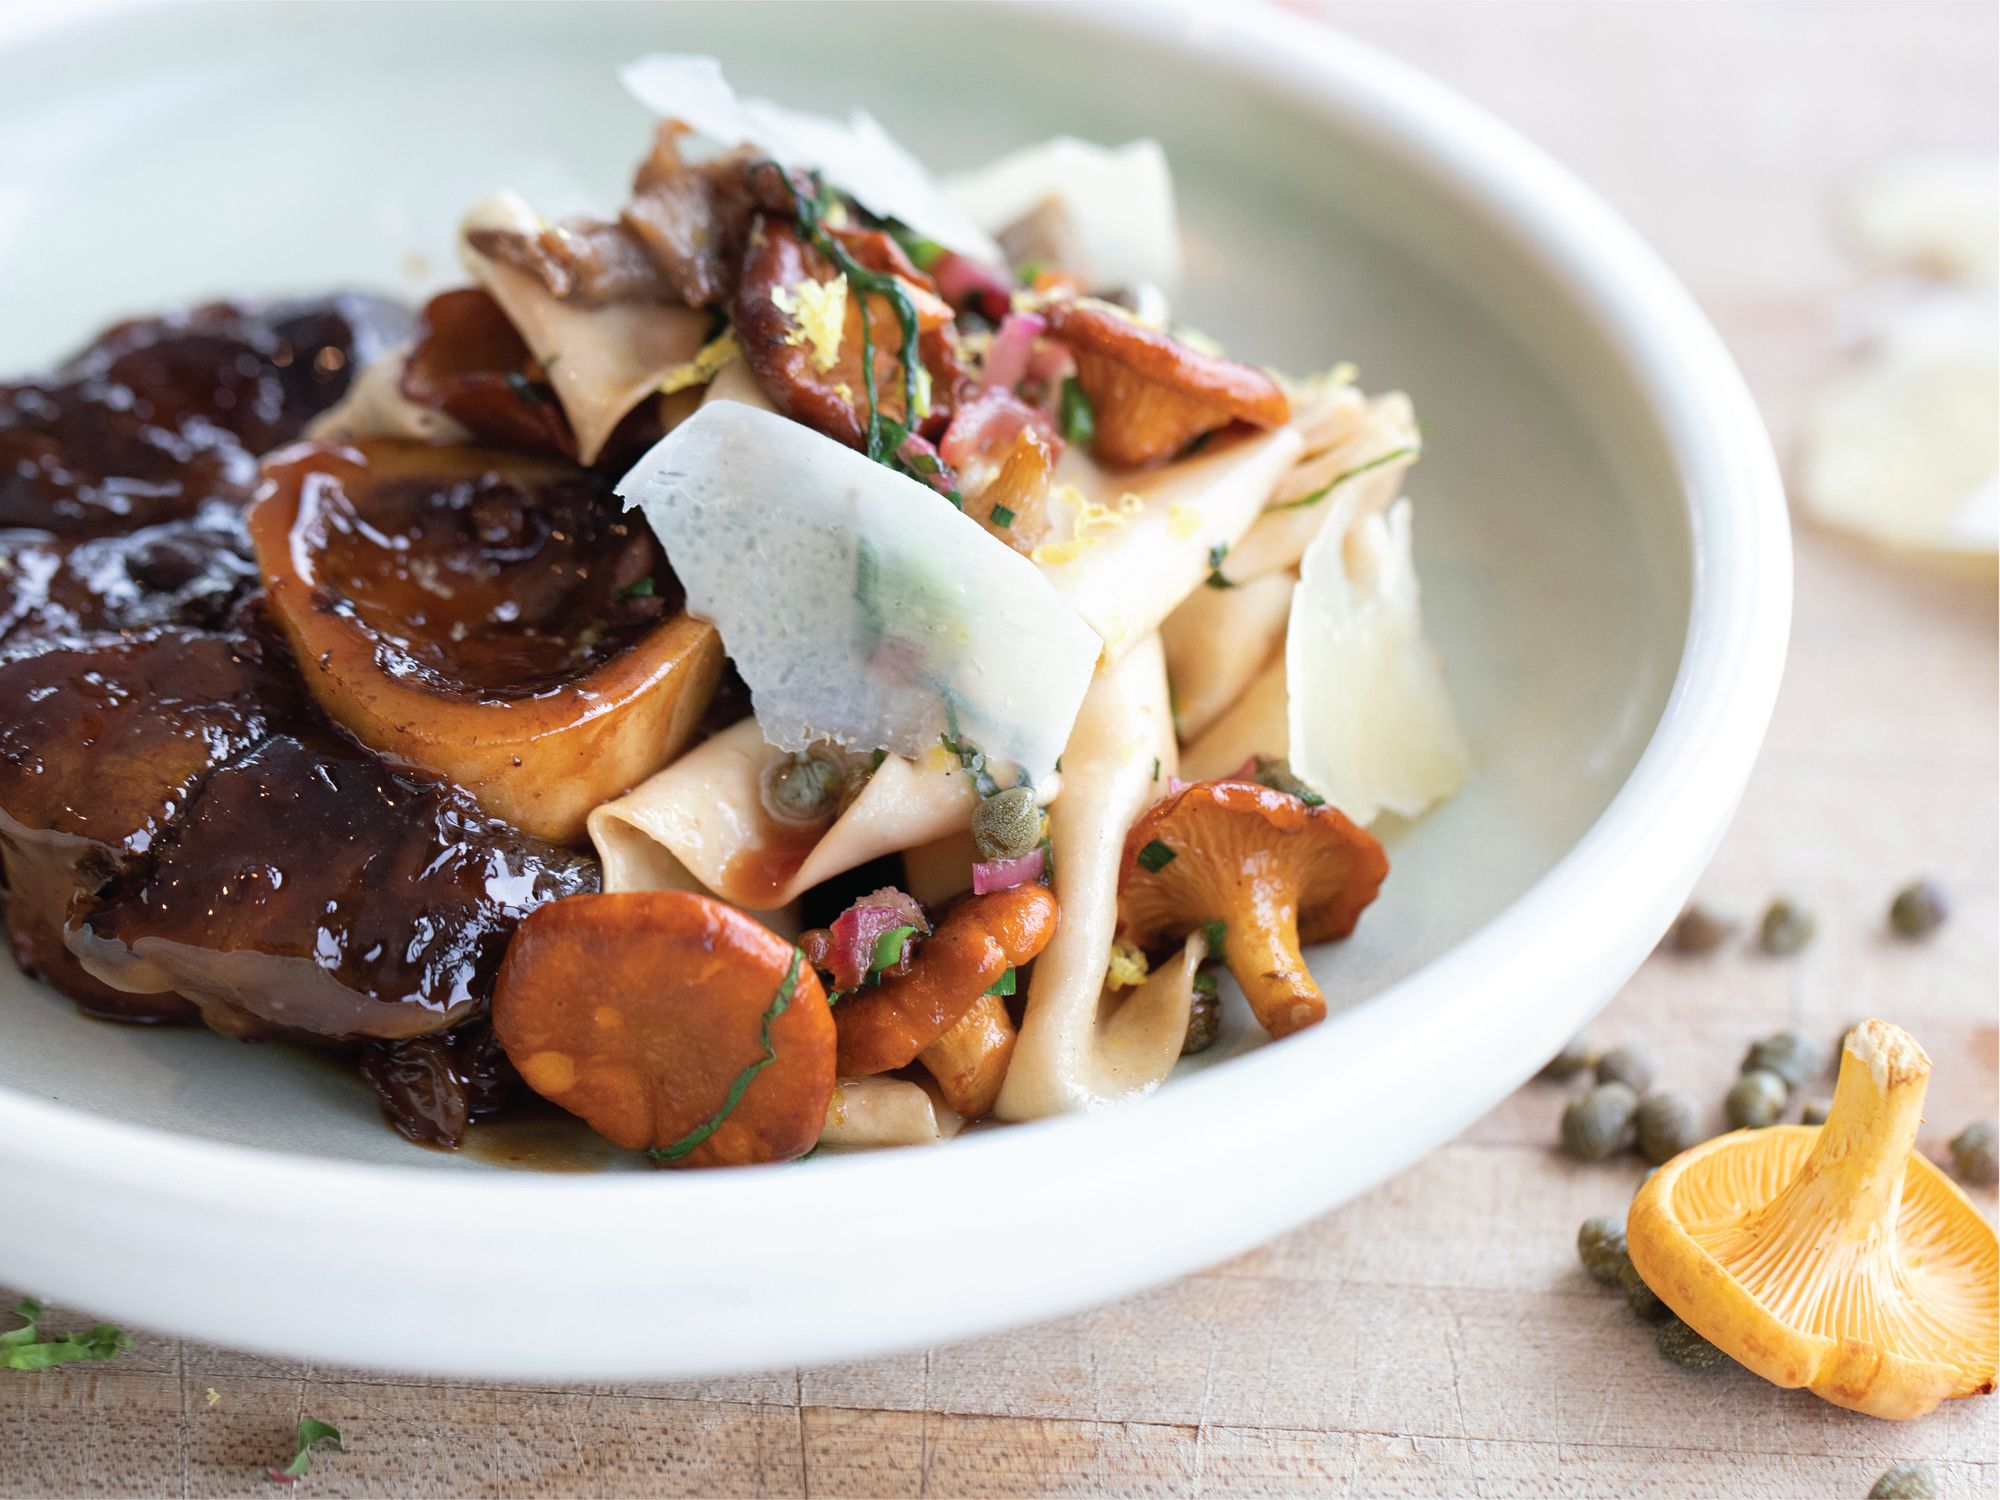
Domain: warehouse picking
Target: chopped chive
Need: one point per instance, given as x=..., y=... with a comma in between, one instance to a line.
x=1004, y=985
x=643, y=589
x=1213, y=933
x=1215, y=556
x=1339, y=479
x=889, y=949
x=1156, y=768
x=786, y=989
x=1076, y=416
x=1001, y=517
x=1156, y=856
x=1030, y=269
x=1204, y=984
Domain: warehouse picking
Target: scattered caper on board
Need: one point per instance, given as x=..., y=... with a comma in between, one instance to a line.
x=1787, y=927
x=1792, y=1055
x=1698, y=930
x=1972, y=1154
x=1756, y=1100
x=1598, y=1122
x=1643, y=1300
x=1905, y=1482
x=1666, y=1123
x=1919, y=910
x=1629, y=1065
x=1686, y=1348
x=1600, y=1245
x=1578, y=1053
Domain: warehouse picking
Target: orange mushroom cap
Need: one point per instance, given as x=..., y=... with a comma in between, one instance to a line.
x=1151, y=394
x=1832, y=1256
x=976, y=943
x=672, y=1023
x=1273, y=870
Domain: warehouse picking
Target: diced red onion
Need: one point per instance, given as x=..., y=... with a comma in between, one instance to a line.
x=1051, y=363
x=1013, y=346
x=855, y=931
x=1004, y=874
x=937, y=473
x=965, y=283
x=988, y=422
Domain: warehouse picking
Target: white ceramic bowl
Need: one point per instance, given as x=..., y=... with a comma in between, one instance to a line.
x=1601, y=536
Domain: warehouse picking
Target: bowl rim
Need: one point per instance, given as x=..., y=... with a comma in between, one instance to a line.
x=1586, y=922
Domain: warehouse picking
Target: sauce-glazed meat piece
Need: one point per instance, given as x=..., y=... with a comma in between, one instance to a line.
x=161, y=414
x=432, y=1087
x=311, y=890
x=102, y=745
x=190, y=572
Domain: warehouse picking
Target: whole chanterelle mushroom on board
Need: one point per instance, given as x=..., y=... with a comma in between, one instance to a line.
x=1834, y=1256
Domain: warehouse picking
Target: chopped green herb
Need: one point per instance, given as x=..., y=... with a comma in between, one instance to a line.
x=1030, y=269
x=643, y=589
x=551, y=362
x=1076, y=416
x=1156, y=768
x=1215, y=556
x=1001, y=517
x=1058, y=763
x=1156, y=856
x=923, y=253
x=786, y=989
x=1213, y=933
x=973, y=760
x=28, y=1348
x=1339, y=479
x=809, y=215
x=312, y=1432
x=1204, y=984
x=889, y=949
x=1004, y=985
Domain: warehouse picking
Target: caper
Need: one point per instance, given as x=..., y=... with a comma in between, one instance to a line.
x=1007, y=824
x=1666, y=1123
x=1786, y=928
x=1918, y=910
x=1699, y=930
x=1643, y=1300
x=1905, y=1482
x=1756, y=1100
x=1204, y=1016
x=1629, y=1065
x=1792, y=1055
x=1577, y=1054
x=1972, y=1154
x=1815, y=1111
x=1686, y=1348
x=1600, y=1245
x=1598, y=1122
x=800, y=791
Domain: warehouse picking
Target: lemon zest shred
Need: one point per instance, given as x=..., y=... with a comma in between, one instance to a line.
x=706, y=364
x=818, y=310
x=1128, y=966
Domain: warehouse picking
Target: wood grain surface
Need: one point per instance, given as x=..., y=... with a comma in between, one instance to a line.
x=1438, y=1335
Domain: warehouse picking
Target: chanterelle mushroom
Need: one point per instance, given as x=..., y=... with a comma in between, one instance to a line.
x=1272, y=870
x=1832, y=1256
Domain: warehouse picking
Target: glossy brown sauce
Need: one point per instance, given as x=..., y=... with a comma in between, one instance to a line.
x=477, y=571
x=759, y=872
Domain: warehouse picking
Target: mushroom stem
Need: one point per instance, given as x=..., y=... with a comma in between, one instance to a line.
x=1261, y=948
x=1852, y=1184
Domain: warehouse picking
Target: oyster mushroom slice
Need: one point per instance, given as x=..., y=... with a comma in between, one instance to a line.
x=1832, y=1257
x=490, y=618
x=1273, y=871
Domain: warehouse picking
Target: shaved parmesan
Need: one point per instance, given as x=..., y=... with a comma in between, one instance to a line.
x=859, y=606
x=602, y=361
x=856, y=154
x=1939, y=216
x=1370, y=722
x=1119, y=202
x=1905, y=448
